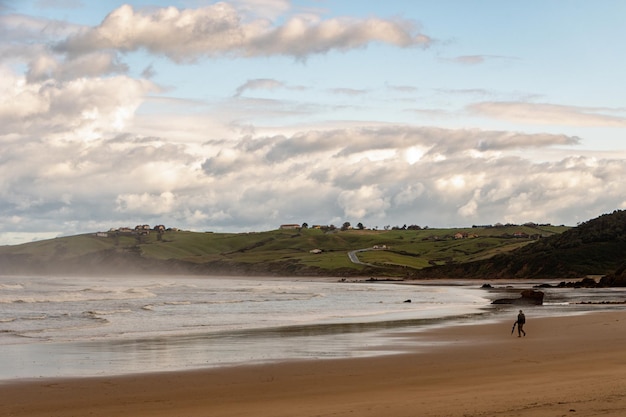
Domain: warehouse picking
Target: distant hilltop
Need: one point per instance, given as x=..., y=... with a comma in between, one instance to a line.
x=530, y=250
x=146, y=228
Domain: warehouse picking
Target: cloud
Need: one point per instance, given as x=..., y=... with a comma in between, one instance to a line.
x=258, y=84
x=348, y=91
x=474, y=59
x=24, y=29
x=148, y=72
x=83, y=108
x=76, y=186
x=46, y=66
x=408, y=89
x=366, y=202
x=549, y=114
x=470, y=59
x=376, y=175
x=270, y=9
x=459, y=180
x=219, y=30
x=145, y=203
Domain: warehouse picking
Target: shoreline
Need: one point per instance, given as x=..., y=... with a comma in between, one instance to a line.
x=565, y=363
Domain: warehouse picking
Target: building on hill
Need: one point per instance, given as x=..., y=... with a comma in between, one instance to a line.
x=142, y=229
x=289, y=226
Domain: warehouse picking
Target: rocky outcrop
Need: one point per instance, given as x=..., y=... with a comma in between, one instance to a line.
x=583, y=283
x=528, y=297
x=616, y=279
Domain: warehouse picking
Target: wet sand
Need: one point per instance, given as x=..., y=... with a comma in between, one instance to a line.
x=565, y=366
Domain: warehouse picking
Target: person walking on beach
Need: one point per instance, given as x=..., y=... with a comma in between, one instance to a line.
x=521, y=320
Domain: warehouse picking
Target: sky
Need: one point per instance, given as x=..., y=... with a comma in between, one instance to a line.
x=243, y=115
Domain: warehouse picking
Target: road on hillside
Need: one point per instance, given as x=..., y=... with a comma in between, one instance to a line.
x=355, y=259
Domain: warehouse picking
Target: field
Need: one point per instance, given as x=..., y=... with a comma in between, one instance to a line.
x=299, y=251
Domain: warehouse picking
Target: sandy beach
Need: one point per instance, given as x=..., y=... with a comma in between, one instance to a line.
x=566, y=366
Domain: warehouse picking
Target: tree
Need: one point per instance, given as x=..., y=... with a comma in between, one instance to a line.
x=305, y=225
x=345, y=226
x=360, y=226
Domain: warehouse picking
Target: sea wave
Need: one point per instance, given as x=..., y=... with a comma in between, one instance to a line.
x=11, y=287
x=107, y=312
x=83, y=295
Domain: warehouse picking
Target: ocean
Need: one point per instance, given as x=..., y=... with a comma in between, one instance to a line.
x=90, y=326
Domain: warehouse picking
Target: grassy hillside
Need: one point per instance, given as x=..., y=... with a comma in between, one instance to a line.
x=278, y=252
x=595, y=247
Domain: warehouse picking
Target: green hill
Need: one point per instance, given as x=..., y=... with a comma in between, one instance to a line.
x=596, y=247
x=400, y=253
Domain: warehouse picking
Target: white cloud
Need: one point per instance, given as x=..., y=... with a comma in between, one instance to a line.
x=258, y=84
x=46, y=66
x=270, y=9
x=257, y=183
x=550, y=114
x=475, y=59
x=145, y=204
x=365, y=202
x=408, y=194
x=470, y=209
x=218, y=29
x=85, y=146
x=83, y=108
x=21, y=28
x=16, y=238
x=348, y=91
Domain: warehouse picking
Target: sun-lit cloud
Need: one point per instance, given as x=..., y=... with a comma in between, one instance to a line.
x=83, y=108
x=246, y=114
x=219, y=30
x=46, y=66
x=259, y=182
